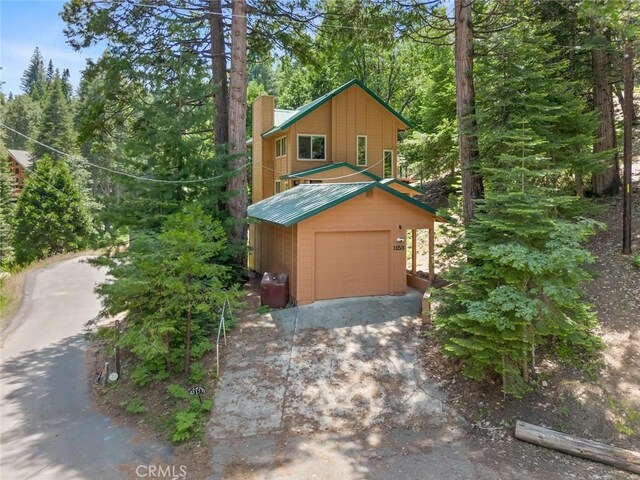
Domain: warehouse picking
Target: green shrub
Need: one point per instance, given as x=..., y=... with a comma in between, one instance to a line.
x=197, y=407
x=197, y=373
x=200, y=348
x=186, y=426
x=136, y=406
x=178, y=392
x=636, y=260
x=141, y=376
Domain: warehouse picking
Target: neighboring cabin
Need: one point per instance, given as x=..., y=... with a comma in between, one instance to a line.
x=331, y=213
x=19, y=163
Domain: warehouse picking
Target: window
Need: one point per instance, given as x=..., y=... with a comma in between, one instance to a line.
x=278, y=185
x=281, y=147
x=362, y=150
x=286, y=184
x=387, y=164
x=311, y=147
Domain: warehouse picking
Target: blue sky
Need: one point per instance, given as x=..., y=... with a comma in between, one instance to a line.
x=27, y=24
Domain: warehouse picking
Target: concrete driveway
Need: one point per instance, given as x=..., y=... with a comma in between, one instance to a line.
x=47, y=427
x=334, y=390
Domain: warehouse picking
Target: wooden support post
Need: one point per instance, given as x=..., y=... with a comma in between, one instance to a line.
x=414, y=250
x=431, y=255
x=580, y=447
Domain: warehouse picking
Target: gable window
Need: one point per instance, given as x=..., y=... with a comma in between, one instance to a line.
x=281, y=147
x=278, y=187
x=362, y=150
x=387, y=163
x=311, y=147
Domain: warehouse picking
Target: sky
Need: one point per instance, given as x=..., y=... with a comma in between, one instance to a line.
x=27, y=24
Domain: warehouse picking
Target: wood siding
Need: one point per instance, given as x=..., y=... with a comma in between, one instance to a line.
x=337, y=175
x=351, y=113
x=19, y=175
x=278, y=252
x=263, y=108
x=378, y=212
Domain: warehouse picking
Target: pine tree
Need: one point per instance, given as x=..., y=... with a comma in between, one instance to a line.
x=67, y=89
x=170, y=283
x=50, y=72
x=56, y=126
x=23, y=114
x=519, y=287
x=51, y=216
x=7, y=200
x=33, y=79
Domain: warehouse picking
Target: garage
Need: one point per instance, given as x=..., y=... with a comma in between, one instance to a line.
x=349, y=264
x=338, y=240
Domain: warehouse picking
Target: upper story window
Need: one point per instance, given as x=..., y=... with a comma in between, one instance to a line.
x=387, y=163
x=281, y=147
x=362, y=150
x=312, y=147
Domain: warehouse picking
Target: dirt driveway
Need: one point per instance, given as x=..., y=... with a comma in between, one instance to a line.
x=336, y=390
x=307, y=369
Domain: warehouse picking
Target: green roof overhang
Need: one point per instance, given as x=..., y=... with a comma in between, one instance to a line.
x=304, y=201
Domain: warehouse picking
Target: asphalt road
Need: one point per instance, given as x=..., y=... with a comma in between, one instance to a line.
x=47, y=427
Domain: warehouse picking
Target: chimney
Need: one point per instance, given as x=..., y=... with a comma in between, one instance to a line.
x=263, y=118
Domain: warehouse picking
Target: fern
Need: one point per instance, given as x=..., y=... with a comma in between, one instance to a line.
x=178, y=392
x=186, y=426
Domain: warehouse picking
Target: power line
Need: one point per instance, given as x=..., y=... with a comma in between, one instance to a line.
x=126, y=174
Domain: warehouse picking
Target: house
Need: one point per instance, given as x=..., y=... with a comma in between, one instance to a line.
x=326, y=206
x=19, y=163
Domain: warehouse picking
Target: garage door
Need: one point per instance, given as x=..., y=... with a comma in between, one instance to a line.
x=351, y=264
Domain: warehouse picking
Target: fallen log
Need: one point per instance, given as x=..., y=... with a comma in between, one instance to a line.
x=580, y=447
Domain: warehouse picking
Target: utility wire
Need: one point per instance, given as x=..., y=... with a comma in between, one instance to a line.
x=117, y=172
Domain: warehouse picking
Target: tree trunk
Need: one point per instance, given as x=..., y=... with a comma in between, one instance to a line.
x=607, y=182
x=219, y=74
x=237, y=184
x=627, y=74
x=465, y=109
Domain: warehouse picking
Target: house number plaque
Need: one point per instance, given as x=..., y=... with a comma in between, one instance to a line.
x=398, y=247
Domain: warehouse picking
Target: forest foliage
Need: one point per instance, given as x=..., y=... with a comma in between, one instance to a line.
x=155, y=108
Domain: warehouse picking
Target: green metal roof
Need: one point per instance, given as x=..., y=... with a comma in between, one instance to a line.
x=331, y=166
x=310, y=107
x=387, y=181
x=303, y=201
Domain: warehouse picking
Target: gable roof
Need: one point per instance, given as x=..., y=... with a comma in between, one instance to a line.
x=21, y=156
x=331, y=166
x=299, y=203
x=310, y=107
x=388, y=181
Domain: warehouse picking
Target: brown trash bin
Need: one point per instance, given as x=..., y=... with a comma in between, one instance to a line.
x=274, y=290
